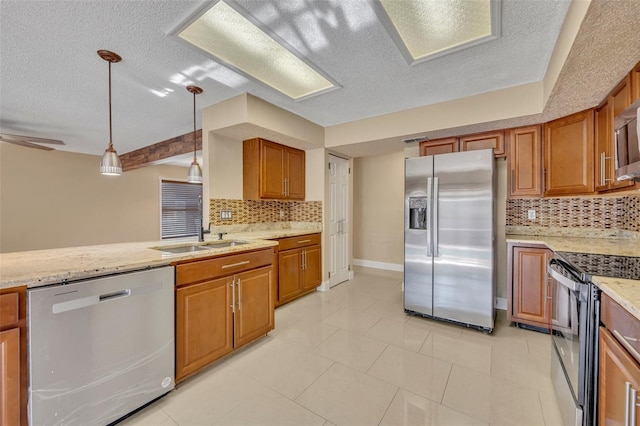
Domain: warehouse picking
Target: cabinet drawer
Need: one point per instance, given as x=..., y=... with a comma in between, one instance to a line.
x=206, y=269
x=300, y=241
x=621, y=323
x=9, y=310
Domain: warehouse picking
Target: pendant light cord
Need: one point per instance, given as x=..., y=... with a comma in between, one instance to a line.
x=110, y=124
x=194, y=127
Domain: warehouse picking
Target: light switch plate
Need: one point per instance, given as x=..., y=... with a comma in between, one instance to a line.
x=531, y=214
x=226, y=215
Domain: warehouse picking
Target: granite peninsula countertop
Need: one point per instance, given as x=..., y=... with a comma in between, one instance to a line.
x=625, y=292
x=43, y=267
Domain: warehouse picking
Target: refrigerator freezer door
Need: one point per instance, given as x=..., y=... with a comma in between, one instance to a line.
x=463, y=247
x=418, y=266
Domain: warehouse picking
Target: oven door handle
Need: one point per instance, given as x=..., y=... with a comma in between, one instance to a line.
x=567, y=282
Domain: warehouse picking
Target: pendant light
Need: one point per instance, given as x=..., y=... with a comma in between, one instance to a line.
x=110, y=164
x=195, y=173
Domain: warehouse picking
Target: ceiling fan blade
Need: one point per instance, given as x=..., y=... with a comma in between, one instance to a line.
x=17, y=138
x=29, y=145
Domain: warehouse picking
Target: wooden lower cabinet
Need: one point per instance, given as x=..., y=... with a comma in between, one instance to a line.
x=218, y=314
x=617, y=368
x=13, y=357
x=10, y=377
x=204, y=324
x=289, y=267
x=312, y=268
x=299, y=266
x=253, y=316
x=529, y=300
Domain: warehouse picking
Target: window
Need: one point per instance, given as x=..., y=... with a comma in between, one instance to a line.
x=180, y=210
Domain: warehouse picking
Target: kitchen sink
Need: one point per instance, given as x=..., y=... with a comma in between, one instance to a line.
x=192, y=248
x=220, y=244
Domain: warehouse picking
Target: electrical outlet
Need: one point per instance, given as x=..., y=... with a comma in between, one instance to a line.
x=281, y=214
x=531, y=214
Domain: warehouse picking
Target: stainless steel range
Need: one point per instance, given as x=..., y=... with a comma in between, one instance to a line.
x=574, y=328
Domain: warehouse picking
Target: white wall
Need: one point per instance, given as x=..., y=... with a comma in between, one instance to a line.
x=378, y=222
x=378, y=208
x=59, y=199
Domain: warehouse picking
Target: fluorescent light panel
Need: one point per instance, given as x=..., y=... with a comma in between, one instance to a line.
x=238, y=42
x=426, y=29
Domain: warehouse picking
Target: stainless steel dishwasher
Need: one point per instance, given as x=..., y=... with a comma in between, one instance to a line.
x=100, y=348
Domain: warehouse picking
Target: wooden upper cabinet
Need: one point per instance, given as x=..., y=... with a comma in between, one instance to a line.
x=295, y=183
x=272, y=171
x=604, y=165
x=439, y=146
x=525, y=162
x=488, y=140
x=568, y=154
x=635, y=83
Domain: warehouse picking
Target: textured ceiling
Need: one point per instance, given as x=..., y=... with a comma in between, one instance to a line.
x=54, y=85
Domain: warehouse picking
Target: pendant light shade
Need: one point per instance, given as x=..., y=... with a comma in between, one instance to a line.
x=195, y=172
x=110, y=164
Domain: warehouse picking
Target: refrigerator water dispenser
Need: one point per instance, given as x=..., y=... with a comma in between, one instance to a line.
x=418, y=212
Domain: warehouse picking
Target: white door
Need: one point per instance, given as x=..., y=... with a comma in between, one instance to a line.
x=339, y=220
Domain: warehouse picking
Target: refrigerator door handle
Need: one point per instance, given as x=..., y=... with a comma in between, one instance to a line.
x=436, y=195
x=428, y=219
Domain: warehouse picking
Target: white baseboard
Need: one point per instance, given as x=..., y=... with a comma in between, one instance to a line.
x=379, y=265
x=501, y=303
x=325, y=286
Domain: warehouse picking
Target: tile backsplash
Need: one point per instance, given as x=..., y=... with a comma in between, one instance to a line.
x=616, y=215
x=264, y=211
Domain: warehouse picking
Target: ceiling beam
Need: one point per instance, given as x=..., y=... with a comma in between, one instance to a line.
x=153, y=154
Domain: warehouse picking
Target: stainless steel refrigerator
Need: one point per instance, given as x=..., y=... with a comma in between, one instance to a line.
x=449, y=238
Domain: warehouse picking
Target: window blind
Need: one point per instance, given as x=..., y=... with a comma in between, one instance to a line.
x=180, y=215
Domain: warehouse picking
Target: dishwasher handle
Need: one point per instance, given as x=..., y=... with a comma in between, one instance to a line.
x=115, y=295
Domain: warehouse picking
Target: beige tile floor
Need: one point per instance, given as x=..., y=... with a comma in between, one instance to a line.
x=351, y=356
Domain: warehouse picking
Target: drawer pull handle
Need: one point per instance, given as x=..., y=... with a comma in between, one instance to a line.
x=304, y=241
x=233, y=265
x=625, y=342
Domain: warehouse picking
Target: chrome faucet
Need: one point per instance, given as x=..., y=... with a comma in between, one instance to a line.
x=201, y=227
x=220, y=234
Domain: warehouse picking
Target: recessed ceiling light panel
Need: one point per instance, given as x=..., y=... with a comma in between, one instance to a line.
x=427, y=29
x=239, y=41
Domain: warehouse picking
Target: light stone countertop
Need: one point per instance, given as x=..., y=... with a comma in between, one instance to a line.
x=625, y=292
x=614, y=246
x=43, y=267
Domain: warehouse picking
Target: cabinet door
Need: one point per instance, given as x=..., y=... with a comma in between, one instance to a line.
x=568, y=155
x=530, y=286
x=312, y=268
x=289, y=267
x=439, y=146
x=617, y=368
x=635, y=83
x=493, y=140
x=204, y=324
x=272, y=159
x=525, y=162
x=620, y=100
x=254, y=305
x=295, y=174
x=10, y=377
x=604, y=145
